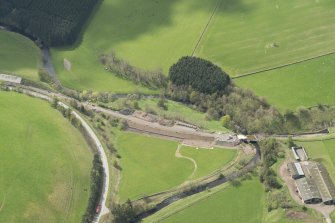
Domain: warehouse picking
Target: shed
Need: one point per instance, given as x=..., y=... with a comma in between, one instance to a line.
x=323, y=182
x=296, y=170
x=308, y=190
x=299, y=153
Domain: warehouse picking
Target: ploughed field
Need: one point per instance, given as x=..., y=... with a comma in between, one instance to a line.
x=44, y=164
x=18, y=55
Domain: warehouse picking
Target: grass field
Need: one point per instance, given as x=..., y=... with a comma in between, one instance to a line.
x=149, y=164
x=209, y=160
x=44, y=164
x=251, y=35
x=18, y=55
x=152, y=35
x=224, y=206
x=305, y=84
x=245, y=204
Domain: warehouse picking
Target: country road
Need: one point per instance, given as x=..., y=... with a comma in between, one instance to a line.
x=104, y=210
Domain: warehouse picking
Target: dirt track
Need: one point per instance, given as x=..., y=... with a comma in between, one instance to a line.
x=179, y=155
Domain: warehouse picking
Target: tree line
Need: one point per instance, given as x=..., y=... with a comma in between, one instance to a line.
x=55, y=23
x=121, y=68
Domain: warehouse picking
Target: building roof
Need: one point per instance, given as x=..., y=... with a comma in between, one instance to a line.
x=323, y=181
x=299, y=153
x=307, y=189
x=299, y=168
x=295, y=153
x=296, y=169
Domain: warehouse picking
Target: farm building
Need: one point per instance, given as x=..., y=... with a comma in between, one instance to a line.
x=299, y=153
x=295, y=170
x=323, y=182
x=308, y=190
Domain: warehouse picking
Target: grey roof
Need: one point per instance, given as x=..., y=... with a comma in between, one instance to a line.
x=307, y=189
x=323, y=181
x=296, y=169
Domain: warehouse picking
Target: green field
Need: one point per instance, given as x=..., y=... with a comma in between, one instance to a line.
x=208, y=160
x=44, y=164
x=251, y=35
x=245, y=204
x=152, y=35
x=305, y=84
x=229, y=205
x=149, y=164
x=18, y=55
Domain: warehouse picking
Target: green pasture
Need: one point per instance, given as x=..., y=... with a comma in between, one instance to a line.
x=208, y=160
x=244, y=204
x=229, y=205
x=305, y=84
x=149, y=164
x=251, y=35
x=151, y=35
x=18, y=55
x=44, y=163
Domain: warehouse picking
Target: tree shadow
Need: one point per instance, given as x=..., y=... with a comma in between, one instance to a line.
x=124, y=20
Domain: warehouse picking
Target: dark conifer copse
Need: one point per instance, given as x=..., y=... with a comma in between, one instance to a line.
x=55, y=23
x=200, y=74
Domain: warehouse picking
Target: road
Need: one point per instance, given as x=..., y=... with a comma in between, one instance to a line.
x=103, y=157
x=48, y=96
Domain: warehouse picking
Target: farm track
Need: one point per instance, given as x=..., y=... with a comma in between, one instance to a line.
x=179, y=155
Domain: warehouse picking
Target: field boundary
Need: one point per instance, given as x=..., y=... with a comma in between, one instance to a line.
x=283, y=65
x=218, y=4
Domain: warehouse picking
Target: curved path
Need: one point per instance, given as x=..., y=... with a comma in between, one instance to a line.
x=179, y=155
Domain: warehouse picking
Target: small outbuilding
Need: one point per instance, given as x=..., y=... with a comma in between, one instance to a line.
x=299, y=153
x=295, y=170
